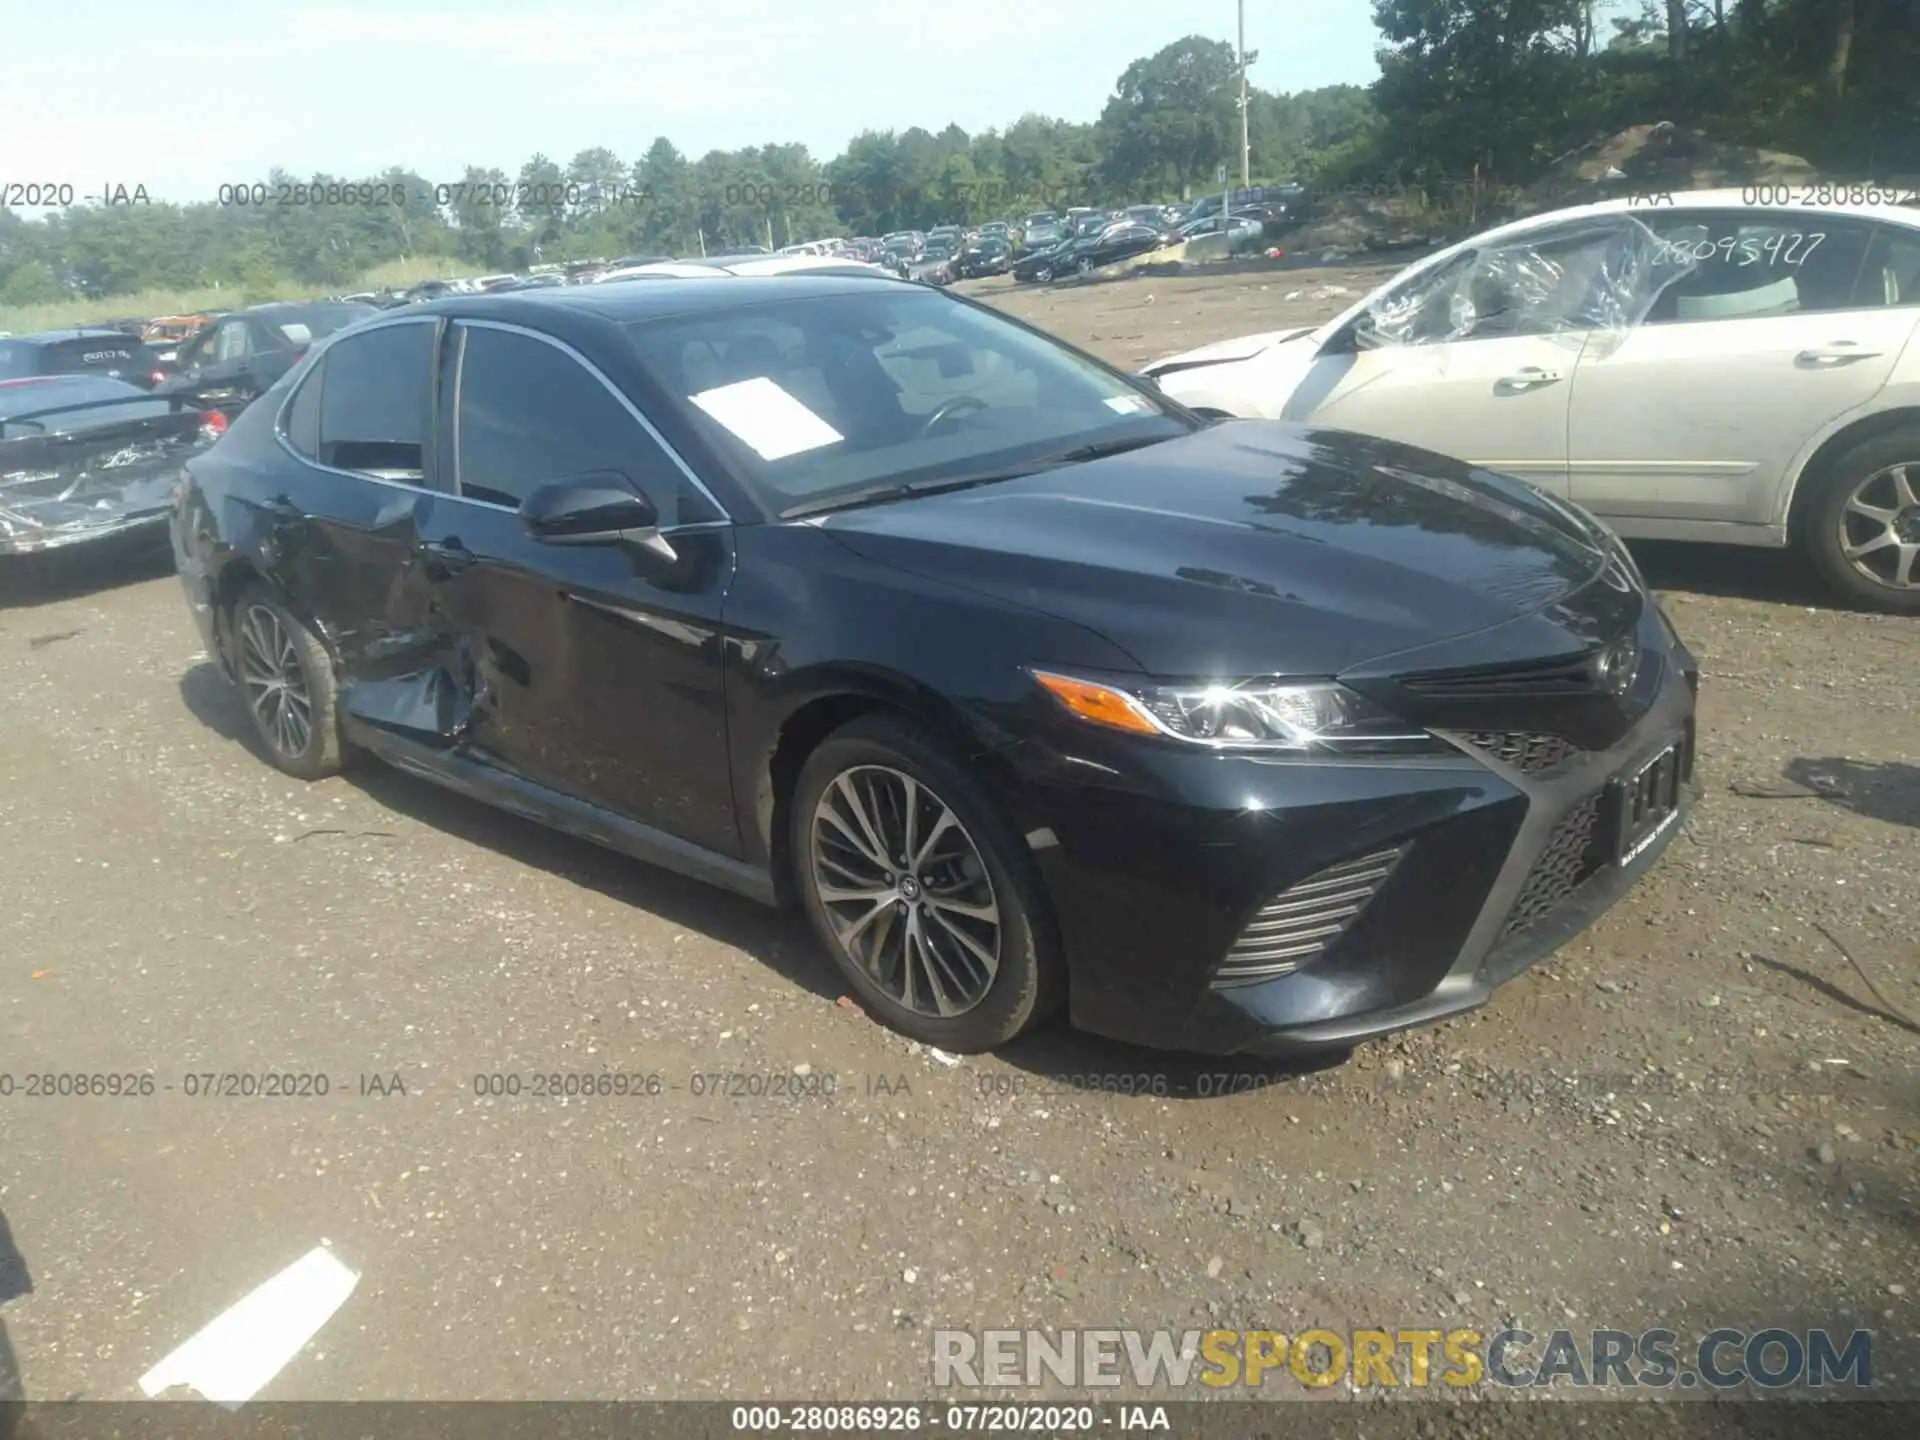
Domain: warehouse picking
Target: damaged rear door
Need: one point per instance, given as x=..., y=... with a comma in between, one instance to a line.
x=338, y=532
x=594, y=669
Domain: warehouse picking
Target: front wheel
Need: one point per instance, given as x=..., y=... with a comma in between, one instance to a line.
x=921, y=889
x=1861, y=527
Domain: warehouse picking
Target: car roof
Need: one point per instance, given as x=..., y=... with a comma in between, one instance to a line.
x=625, y=304
x=1657, y=203
x=275, y=308
x=78, y=332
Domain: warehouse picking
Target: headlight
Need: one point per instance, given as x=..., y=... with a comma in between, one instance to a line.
x=1264, y=715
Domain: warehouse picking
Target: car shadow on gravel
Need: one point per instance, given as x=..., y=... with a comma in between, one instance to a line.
x=45, y=577
x=14, y=1283
x=1737, y=572
x=1887, y=790
x=777, y=939
x=1067, y=1061
x=1060, y=1057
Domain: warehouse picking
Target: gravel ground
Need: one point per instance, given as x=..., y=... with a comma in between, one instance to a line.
x=1703, y=1112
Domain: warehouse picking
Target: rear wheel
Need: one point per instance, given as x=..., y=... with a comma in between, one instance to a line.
x=1861, y=528
x=287, y=684
x=921, y=890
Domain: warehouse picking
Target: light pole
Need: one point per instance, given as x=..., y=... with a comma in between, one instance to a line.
x=1246, y=155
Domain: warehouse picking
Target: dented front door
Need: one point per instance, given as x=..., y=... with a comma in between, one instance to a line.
x=595, y=670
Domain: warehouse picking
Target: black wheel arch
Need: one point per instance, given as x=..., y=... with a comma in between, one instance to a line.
x=811, y=710
x=234, y=577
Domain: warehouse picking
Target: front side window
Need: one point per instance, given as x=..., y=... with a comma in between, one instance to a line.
x=529, y=414
x=817, y=398
x=1567, y=279
x=373, y=402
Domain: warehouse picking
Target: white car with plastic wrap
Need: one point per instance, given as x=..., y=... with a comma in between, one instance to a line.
x=1728, y=366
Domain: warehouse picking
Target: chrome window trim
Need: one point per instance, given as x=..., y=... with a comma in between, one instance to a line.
x=319, y=353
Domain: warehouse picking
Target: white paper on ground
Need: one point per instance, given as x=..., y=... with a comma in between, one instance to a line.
x=240, y=1350
x=767, y=418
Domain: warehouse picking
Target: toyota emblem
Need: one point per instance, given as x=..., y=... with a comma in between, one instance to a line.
x=1615, y=667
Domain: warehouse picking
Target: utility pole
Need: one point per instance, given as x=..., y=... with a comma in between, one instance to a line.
x=1246, y=152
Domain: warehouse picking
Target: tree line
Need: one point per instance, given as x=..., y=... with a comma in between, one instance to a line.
x=1495, y=89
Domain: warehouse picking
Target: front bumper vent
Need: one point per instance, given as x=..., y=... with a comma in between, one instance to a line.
x=1561, y=678
x=1301, y=922
x=1530, y=752
x=1568, y=862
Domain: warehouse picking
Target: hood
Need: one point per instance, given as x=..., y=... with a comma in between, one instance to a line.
x=1250, y=548
x=1225, y=351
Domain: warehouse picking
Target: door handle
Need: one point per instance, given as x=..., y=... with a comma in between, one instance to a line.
x=1530, y=375
x=443, y=557
x=1838, y=353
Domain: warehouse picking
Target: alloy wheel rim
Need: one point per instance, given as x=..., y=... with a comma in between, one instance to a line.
x=1880, y=527
x=275, y=685
x=906, y=891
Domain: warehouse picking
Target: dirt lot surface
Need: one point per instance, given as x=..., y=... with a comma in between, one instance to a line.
x=1701, y=1113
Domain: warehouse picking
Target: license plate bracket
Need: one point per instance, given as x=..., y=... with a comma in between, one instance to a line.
x=1645, y=799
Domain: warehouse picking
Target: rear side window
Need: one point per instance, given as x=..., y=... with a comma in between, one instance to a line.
x=1891, y=275
x=303, y=415
x=373, y=403
x=1753, y=265
x=18, y=361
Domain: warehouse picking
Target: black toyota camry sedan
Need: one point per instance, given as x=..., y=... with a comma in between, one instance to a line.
x=1033, y=689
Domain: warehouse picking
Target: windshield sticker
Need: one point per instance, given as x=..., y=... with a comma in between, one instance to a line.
x=767, y=418
x=1129, y=405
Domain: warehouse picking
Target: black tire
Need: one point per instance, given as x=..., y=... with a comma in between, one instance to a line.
x=322, y=753
x=1030, y=981
x=1826, y=513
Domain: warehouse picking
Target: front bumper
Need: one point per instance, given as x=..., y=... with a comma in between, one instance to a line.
x=1157, y=868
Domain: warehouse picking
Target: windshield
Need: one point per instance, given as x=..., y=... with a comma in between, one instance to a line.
x=815, y=398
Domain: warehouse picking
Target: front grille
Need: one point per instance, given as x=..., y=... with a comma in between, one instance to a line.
x=1302, y=921
x=1528, y=751
x=1568, y=676
x=1568, y=862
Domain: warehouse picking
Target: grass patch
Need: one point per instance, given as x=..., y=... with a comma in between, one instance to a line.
x=144, y=304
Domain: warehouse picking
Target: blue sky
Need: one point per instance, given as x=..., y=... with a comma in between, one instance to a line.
x=99, y=92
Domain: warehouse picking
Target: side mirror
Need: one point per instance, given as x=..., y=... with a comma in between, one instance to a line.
x=593, y=510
